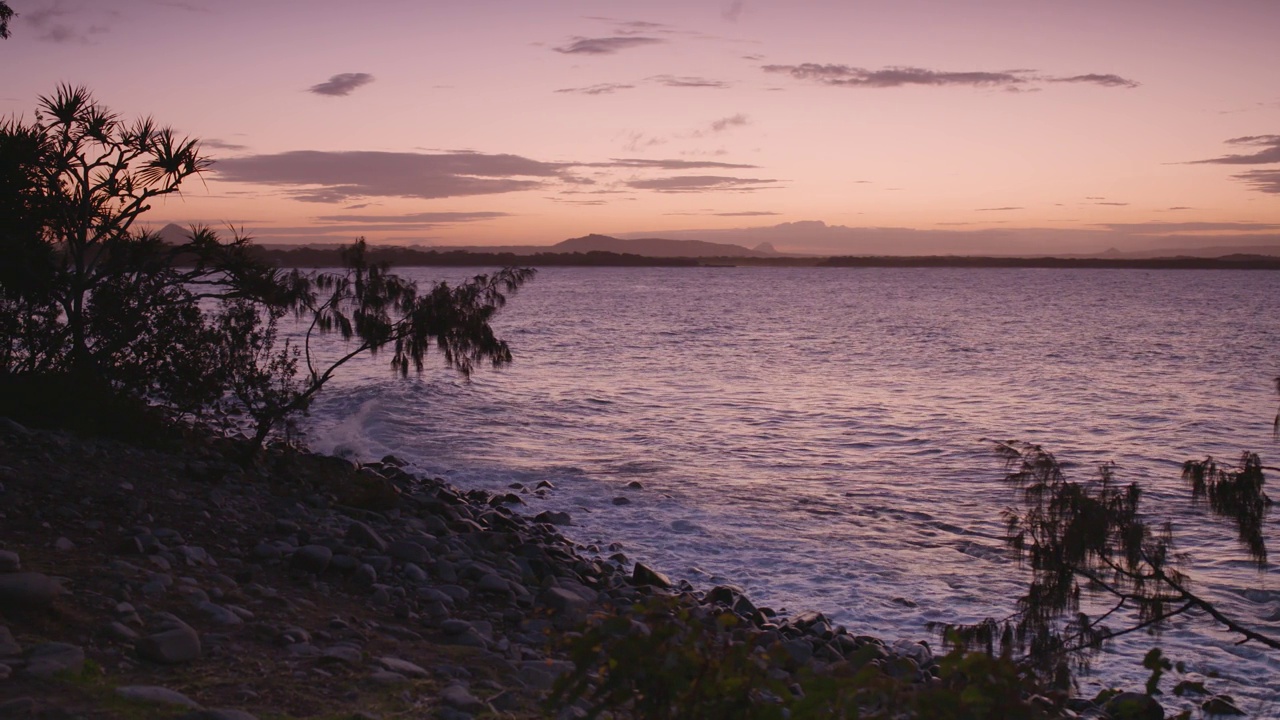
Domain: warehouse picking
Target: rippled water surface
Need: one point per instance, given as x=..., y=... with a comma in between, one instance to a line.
x=817, y=435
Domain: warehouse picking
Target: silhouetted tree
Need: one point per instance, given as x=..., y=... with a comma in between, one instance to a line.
x=1091, y=538
x=93, y=308
x=6, y=14
x=371, y=309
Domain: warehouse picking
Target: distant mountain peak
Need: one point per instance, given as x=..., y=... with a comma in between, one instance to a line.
x=656, y=247
x=767, y=248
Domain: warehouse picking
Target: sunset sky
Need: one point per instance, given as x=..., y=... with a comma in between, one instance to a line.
x=831, y=127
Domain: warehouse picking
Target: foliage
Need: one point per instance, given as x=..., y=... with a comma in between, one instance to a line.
x=94, y=309
x=667, y=659
x=6, y=14
x=370, y=309
x=1092, y=538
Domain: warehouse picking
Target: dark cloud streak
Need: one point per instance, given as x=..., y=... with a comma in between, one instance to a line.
x=606, y=45
x=837, y=75
x=341, y=85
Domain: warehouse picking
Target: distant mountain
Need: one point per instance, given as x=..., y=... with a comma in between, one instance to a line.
x=656, y=247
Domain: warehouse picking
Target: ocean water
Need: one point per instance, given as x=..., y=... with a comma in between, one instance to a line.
x=822, y=437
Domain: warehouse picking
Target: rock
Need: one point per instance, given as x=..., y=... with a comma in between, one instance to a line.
x=8, y=646
x=218, y=614
x=9, y=561
x=553, y=517
x=402, y=667
x=459, y=697
x=218, y=714
x=365, y=536
x=386, y=677
x=645, y=575
x=155, y=695
x=1221, y=705
x=177, y=645
x=635, y=485
x=1134, y=706
x=799, y=650
x=408, y=551
x=63, y=544
x=620, y=500
x=490, y=582
x=120, y=631
x=563, y=600
x=45, y=660
x=343, y=653
x=16, y=708
x=28, y=591
x=365, y=575
x=312, y=558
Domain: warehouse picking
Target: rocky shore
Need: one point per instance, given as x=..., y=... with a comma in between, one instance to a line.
x=140, y=583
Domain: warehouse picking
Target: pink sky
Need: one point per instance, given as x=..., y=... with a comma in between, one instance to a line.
x=983, y=126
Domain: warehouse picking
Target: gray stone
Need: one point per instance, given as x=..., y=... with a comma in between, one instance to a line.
x=1221, y=705
x=563, y=600
x=343, y=653
x=9, y=561
x=365, y=575
x=408, y=551
x=218, y=714
x=312, y=558
x=177, y=645
x=1134, y=706
x=386, y=677
x=365, y=536
x=8, y=646
x=28, y=591
x=491, y=582
x=553, y=517
x=120, y=631
x=459, y=697
x=799, y=650
x=63, y=544
x=402, y=667
x=155, y=695
x=16, y=708
x=414, y=574
x=218, y=614
x=645, y=575
x=45, y=660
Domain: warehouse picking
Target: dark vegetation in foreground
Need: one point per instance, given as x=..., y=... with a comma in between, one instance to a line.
x=108, y=331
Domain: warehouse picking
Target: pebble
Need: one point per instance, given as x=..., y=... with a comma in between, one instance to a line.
x=49, y=658
x=402, y=667
x=9, y=561
x=459, y=697
x=156, y=695
x=312, y=558
x=28, y=591
x=173, y=646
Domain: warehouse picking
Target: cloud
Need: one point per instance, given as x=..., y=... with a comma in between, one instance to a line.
x=701, y=183
x=666, y=164
x=1116, y=204
x=217, y=144
x=1178, y=207
x=900, y=76
x=1107, y=80
x=422, y=218
x=317, y=176
x=998, y=209
x=606, y=45
x=847, y=76
x=732, y=121
x=1270, y=152
x=341, y=84
x=747, y=213
x=1164, y=228
x=1267, y=181
x=688, y=82
x=599, y=89
x=733, y=11
x=66, y=21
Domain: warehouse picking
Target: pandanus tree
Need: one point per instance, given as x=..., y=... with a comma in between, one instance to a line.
x=89, y=305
